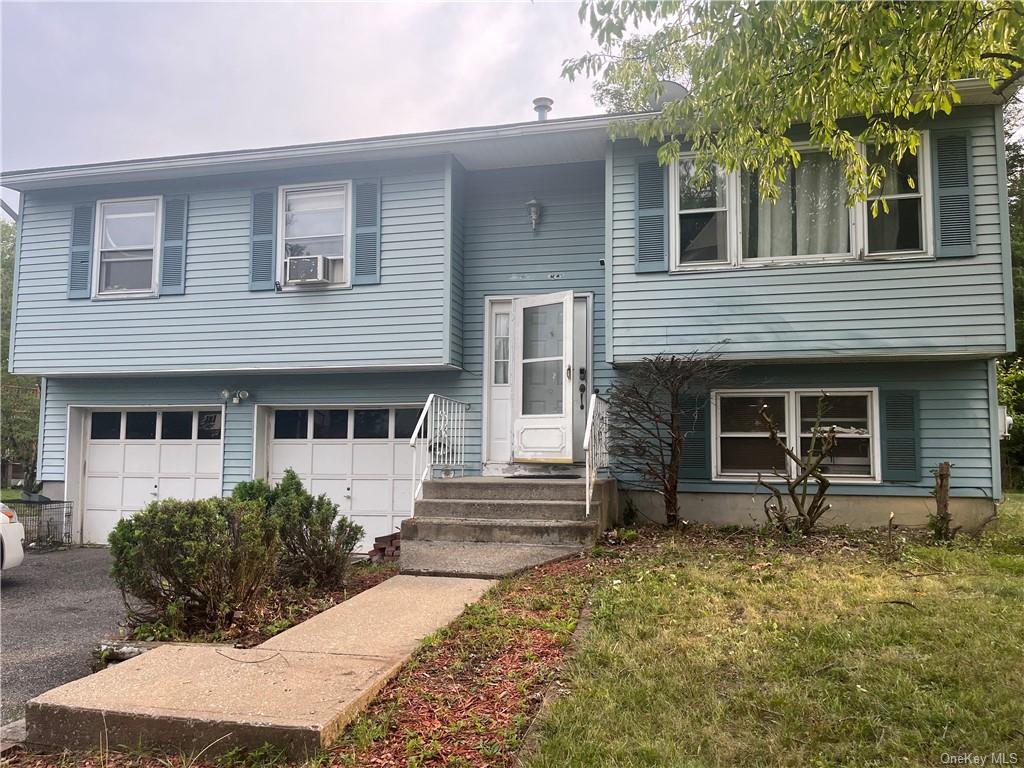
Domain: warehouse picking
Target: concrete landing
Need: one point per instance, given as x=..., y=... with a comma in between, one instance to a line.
x=298, y=690
x=475, y=559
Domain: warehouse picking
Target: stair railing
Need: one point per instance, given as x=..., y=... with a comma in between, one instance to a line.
x=438, y=442
x=595, y=442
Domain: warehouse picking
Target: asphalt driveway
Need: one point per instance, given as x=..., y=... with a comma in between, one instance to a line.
x=54, y=607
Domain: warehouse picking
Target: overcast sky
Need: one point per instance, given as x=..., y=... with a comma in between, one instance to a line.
x=87, y=82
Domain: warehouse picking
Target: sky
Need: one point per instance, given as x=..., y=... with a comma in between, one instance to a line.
x=90, y=82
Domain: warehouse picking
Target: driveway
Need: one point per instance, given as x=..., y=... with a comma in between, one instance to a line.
x=55, y=606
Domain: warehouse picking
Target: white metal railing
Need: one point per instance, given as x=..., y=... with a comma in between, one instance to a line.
x=439, y=442
x=595, y=442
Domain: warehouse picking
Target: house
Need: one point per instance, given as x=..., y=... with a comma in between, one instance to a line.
x=201, y=320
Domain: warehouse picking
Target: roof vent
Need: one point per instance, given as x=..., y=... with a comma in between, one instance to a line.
x=542, y=104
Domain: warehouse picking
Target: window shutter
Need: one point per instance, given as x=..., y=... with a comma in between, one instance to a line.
x=80, y=256
x=696, y=462
x=366, y=239
x=954, y=195
x=172, y=256
x=262, y=267
x=901, y=460
x=651, y=215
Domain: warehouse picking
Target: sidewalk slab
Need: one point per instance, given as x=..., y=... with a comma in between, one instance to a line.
x=297, y=690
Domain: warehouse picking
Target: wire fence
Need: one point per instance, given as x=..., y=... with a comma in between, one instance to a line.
x=47, y=523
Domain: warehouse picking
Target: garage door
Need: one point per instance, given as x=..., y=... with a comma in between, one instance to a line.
x=360, y=457
x=133, y=457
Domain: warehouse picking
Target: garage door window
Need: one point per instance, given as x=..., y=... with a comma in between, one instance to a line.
x=371, y=424
x=106, y=425
x=330, y=424
x=209, y=425
x=291, y=425
x=140, y=425
x=176, y=425
x=405, y=422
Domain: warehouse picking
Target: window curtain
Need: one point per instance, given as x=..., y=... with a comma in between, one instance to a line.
x=810, y=216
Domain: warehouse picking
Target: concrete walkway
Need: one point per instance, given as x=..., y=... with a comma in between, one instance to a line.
x=297, y=690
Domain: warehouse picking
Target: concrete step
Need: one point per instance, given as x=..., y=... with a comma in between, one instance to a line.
x=506, y=489
x=480, y=560
x=557, y=532
x=503, y=509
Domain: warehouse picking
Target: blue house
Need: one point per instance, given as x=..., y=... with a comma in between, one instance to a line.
x=201, y=320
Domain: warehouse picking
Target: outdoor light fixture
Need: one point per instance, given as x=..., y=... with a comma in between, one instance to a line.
x=235, y=397
x=533, y=208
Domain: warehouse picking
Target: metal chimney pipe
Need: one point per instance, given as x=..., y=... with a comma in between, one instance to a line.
x=542, y=104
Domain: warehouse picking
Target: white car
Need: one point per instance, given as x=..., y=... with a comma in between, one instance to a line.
x=12, y=533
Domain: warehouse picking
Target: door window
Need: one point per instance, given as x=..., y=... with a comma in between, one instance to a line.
x=543, y=345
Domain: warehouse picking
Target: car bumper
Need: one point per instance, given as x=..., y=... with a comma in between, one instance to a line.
x=13, y=535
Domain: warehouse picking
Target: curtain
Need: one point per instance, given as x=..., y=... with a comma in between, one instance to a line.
x=810, y=216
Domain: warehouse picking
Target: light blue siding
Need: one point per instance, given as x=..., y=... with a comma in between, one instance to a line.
x=851, y=309
x=219, y=323
x=457, y=197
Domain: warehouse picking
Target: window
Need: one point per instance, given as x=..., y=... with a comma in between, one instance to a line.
x=901, y=227
x=701, y=215
x=809, y=218
x=371, y=424
x=176, y=425
x=724, y=222
x=330, y=424
x=105, y=425
x=742, y=447
x=405, y=422
x=208, y=425
x=291, y=424
x=314, y=235
x=140, y=425
x=127, y=250
x=501, y=347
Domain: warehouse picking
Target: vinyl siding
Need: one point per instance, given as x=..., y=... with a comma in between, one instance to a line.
x=853, y=309
x=218, y=323
x=458, y=220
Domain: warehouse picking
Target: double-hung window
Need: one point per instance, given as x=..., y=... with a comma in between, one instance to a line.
x=743, y=449
x=701, y=215
x=128, y=246
x=315, y=235
x=899, y=223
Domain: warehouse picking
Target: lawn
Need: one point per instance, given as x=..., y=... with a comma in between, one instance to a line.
x=10, y=494
x=709, y=648
x=718, y=650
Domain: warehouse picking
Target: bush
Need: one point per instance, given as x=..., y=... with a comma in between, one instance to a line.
x=316, y=542
x=193, y=565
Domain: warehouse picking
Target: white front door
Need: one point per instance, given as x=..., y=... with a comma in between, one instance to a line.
x=542, y=381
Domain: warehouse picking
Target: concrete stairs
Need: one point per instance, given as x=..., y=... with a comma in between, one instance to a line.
x=489, y=527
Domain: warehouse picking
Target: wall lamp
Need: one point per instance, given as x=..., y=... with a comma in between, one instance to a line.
x=235, y=397
x=534, y=208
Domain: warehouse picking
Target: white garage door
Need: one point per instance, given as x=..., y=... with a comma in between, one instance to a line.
x=360, y=457
x=133, y=457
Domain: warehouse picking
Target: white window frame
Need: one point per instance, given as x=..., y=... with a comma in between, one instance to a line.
x=154, y=286
x=924, y=182
x=348, y=249
x=859, y=214
x=792, y=432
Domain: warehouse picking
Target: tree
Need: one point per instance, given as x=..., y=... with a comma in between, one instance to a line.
x=853, y=72
x=19, y=395
x=653, y=407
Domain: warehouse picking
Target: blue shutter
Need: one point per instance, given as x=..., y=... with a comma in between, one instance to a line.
x=172, y=255
x=366, y=239
x=80, y=255
x=651, y=215
x=901, y=461
x=954, y=195
x=696, y=462
x=262, y=267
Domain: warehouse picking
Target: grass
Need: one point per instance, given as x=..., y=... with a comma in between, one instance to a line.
x=724, y=650
x=10, y=494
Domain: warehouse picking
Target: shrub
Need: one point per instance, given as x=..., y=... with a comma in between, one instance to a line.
x=193, y=565
x=316, y=542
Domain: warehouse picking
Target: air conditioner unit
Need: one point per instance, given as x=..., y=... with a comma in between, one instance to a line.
x=304, y=270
